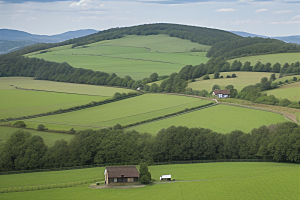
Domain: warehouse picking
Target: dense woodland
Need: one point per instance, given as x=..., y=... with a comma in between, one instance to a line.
x=23, y=151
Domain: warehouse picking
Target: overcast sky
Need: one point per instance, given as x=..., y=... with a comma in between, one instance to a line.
x=269, y=18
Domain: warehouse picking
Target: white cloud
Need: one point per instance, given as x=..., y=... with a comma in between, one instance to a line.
x=297, y=16
x=225, y=10
x=80, y=3
x=282, y=11
x=248, y=21
x=286, y=22
x=261, y=10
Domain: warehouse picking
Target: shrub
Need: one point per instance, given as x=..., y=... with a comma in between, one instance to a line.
x=228, y=76
x=206, y=77
x=20, y=124
x=295, y=79
x=233, y=75
x=41, y=127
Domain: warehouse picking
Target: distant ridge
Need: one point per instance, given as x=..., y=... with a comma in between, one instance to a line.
x=16, y=35
x=288, y=39
x=12, y=40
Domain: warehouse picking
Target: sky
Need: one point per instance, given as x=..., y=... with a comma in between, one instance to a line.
x=48, y=17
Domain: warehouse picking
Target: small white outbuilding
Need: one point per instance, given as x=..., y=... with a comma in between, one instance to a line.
x=165, y=177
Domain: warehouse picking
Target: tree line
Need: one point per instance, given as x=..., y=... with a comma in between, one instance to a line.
x=279, y=142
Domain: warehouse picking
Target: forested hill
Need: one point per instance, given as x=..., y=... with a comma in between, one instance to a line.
x=223, y=43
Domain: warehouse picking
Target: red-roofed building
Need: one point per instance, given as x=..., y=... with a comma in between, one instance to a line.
x=121, y=175
x=221, y=93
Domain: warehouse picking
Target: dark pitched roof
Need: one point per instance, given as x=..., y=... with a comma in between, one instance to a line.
x=125, y=171
x=218, y=91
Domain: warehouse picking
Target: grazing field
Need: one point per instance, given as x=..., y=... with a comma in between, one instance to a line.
x=136, y=56
x=220, y=118
x=123, y=112
x=272, y=58
x=196, y=181
x=289, y=91
x=18, y=103
x=49, y=138
x=243, y=79
x=29, y=83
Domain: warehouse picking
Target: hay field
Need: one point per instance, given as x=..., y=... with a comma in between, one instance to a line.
x=205, y=181
x=272, y=58
x=243, y=79
x=136, y=56
x=219, y=118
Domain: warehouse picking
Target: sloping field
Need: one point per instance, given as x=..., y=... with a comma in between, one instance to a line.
x=18, y=103
x=28, y=83
x=136, y=56
x=243, y=79
x=220, y=118
x=230, y=180
x=49, y=138
x=290, y=91
x=122, y=112
x=272, y=58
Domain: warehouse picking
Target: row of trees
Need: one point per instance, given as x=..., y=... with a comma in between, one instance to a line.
x=279, y=142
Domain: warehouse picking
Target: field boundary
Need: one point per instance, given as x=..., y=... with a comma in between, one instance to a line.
x=133, y=163
x=28, y=89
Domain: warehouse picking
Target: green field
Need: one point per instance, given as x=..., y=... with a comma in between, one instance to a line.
x=272, y=58
x=194, y=181
x=29, y=83
x=243, y=79
x=136, y=56
x=219, y=118
x=49, y=138
x=289, y=91
x=124, y=112
x=18, y=103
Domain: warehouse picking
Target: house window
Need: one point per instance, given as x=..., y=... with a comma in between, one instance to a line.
x=115, y=180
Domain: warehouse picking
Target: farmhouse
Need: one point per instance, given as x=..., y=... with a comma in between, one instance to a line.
x=121, y=175
x=165, y=177
x=221, y=93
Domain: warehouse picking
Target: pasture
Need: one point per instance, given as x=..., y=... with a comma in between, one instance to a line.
x=243, y=79
x=136, y=56
x=272, y=58
x=219, y=118
x=194, y=181
x=289, y=91
x=29, y=83
x=49, y=138
x=123, y=112
x=18, y=103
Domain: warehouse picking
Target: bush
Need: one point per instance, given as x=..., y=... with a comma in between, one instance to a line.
x=20, y=124
x=228, y=76
x=295, y=79
x=206, y=77
x=41, y=127
x=233, y=75
x=145, y=179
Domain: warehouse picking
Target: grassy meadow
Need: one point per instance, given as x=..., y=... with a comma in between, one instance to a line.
x=18, y=103
x=124, y=112
x=289, y=91
x=49, y=138
x=220, y=118
x=29, y=83
x=194, y=181
x=136, y=56
x=243, y=79
x=272, y=58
